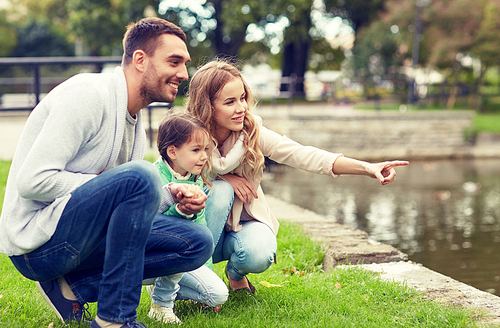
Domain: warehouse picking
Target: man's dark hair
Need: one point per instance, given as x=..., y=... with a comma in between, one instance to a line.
x=144, y=35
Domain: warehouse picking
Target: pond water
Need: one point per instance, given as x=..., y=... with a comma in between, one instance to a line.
x=443, y=214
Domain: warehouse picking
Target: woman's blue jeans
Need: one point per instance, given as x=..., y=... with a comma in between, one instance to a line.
x=250, y=250
x=110, y=237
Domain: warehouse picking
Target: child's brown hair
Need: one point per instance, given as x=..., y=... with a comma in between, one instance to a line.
x=176, y=130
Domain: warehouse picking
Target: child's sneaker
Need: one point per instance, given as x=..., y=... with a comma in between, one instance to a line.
x=163, y=314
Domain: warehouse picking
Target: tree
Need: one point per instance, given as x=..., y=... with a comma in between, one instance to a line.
x=376, y=58
x=298, y=39
x=99, y=23
x=296, y=45
x=8, y=35
x=359, y=13
x=219, y=24
x=451, y=31
x=51, y=13
x=37, y=40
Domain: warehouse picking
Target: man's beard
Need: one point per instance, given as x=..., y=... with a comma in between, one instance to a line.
x=150, y=95
x=153, y=89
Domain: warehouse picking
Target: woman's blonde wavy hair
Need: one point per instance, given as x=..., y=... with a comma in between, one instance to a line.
x=204, y=87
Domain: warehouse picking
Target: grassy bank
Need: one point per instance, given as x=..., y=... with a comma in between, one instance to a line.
x=482, y=122
x=293, y=293
x=487, y=123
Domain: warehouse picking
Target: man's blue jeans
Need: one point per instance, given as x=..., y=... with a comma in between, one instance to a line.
x=110, y=237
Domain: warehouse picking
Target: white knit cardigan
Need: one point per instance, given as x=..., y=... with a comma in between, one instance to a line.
x=74, y=134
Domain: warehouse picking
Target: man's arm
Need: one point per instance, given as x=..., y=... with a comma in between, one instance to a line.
x=67, y=124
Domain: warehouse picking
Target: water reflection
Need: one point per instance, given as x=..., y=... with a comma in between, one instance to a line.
x=443, y=214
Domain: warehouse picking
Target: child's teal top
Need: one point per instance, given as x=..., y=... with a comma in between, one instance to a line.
x=167, y=176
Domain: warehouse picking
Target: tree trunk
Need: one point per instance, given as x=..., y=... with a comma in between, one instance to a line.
x=223, y=46
x=294, y=67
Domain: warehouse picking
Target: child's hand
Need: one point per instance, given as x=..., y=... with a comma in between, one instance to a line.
x=191, y=198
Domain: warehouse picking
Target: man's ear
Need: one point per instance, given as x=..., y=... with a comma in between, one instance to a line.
x=139, y=60
x=171, y=152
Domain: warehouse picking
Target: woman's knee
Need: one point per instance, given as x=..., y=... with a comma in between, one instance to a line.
x=254, y=258
x=252, y=249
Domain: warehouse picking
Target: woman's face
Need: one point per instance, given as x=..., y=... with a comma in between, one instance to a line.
x=230, y=107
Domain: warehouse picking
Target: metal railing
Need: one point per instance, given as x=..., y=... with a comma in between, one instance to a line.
x=37, y=62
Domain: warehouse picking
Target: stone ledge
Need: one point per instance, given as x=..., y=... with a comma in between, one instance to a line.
x=343, y=244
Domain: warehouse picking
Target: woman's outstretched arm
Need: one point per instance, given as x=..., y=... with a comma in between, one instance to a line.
x=383, y=172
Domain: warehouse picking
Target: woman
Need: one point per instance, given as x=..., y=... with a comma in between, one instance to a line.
x=220, y=98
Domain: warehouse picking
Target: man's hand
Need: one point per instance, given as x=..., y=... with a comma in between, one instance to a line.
x=191, y=198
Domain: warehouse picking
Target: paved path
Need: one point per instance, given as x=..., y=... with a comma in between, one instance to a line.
x=11, y=126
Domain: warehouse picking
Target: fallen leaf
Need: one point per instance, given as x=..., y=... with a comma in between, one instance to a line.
x=268, y=285
x=50, y=325
x=337, y=285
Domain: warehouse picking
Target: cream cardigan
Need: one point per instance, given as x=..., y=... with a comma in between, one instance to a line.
x=74, y=134
x=280, y=149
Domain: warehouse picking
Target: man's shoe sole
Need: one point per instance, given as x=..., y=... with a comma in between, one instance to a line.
x=47, y=299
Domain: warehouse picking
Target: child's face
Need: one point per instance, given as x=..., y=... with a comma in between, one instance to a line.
x=230, y=108
x=191, y=156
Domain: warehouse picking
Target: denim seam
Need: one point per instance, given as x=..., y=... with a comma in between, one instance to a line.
x=161, y=259
x=62, y=246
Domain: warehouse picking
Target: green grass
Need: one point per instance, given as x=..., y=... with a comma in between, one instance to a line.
x=293, y=293
x=487, y=123
x=482, y=122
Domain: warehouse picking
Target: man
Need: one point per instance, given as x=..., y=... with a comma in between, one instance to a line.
x=79, y=213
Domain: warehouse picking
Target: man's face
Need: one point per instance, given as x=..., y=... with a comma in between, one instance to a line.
x=165, y=70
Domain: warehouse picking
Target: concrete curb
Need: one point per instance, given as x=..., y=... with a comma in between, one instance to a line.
x=345, y=243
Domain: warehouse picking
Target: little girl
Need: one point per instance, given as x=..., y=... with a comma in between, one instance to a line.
x=184, y=146
x=221, y=99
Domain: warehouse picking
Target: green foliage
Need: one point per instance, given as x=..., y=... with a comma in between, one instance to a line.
x=487, y=122
x=486, y=45
x=4, y=172
x=37, y=39
x=98, y=22
x=376, y=57
x=360, y=13
x=449, y=28
x=8, y=35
